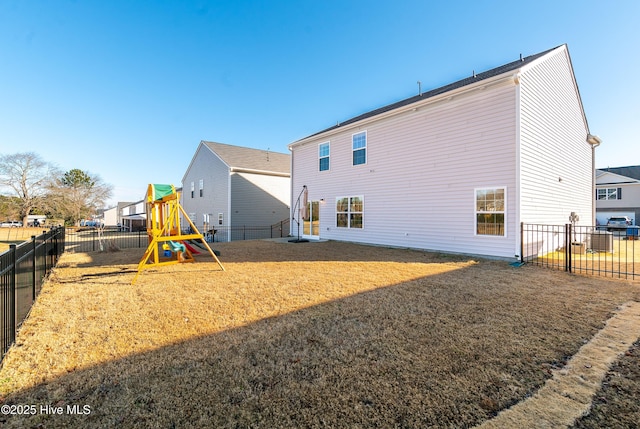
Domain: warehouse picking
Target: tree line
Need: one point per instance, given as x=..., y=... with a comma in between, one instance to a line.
x=30, y=186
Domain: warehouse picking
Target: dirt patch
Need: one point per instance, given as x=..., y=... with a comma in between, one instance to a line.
x=615, y=405
x=568, y=395
x=298, y=335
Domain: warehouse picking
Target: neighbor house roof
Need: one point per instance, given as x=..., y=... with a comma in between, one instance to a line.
x=632, y=171
x=475, y=78
x=244, y=158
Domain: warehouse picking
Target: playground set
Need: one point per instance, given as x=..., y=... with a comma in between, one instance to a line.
x=167, y=243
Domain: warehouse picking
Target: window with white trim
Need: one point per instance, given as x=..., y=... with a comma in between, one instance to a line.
x=609, y=193
x=350, y=212
x=490, y=211
x=193, y=188
x=201, y=186
x=359, y=147
x=324, y=150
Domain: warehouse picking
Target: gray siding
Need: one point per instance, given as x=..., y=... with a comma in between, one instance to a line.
x=208, y=167
x=258, y=200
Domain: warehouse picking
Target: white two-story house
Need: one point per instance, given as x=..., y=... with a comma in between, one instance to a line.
x=457, y=168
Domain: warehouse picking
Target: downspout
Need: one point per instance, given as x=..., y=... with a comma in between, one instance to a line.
x=594, y=142
x=228, y=206
x=518, y=253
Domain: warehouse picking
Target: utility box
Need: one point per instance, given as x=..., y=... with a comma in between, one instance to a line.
x=602, y=241
x=632, y=232
x=577, y=248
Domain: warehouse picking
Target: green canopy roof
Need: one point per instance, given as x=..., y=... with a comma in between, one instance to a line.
x=158, y=192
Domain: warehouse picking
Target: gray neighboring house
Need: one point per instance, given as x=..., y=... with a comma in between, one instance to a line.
x=232, y=186
x=618, y=193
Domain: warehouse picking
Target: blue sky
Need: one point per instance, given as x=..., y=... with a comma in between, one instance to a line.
x=127, y=89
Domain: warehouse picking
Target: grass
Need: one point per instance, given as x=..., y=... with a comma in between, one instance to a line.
x=16, y=236
x=298, y=335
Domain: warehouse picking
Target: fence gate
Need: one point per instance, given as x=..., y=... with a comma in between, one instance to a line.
x=582, y=249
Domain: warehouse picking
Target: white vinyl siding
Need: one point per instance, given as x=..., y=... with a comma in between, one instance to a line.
x=425, y=163
x=555, y=168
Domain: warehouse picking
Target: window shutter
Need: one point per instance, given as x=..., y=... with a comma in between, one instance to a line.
x=619, y=193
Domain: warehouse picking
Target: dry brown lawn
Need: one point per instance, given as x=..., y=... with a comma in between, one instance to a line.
x=297, y=335
x=16, y=236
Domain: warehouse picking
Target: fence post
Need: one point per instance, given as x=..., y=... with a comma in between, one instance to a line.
x=567, y=247
x=521, y=241
x=14, y=289
x=34, y=267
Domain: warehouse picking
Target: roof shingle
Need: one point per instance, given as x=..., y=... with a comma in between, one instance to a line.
x=251, y=159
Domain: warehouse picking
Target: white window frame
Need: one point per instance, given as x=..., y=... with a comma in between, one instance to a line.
x=201, y=187
x=327, y=156
x=349, y=212
x=487, y=210
x=609, y=194
x=366, y=141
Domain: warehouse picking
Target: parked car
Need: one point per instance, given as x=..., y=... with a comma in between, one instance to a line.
x=11, y=224
x=618, y=222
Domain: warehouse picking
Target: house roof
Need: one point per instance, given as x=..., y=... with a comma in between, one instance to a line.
x=475, y=78
x=244, y=158
x=632, y=171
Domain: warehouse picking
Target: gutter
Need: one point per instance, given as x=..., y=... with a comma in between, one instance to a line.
x=263, y=172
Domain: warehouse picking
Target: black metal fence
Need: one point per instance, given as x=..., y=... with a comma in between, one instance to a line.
x=583, y=249
x=93, y=240
x=22, y=270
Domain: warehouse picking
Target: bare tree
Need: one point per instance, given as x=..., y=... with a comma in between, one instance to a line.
x=78, y=194
x=27, y=177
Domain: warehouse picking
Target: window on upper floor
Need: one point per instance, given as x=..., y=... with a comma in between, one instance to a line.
x=359, y=147
x=490, y=211
x=609, y=193
x=324, y=150
x=193, y=188
x=201, y=187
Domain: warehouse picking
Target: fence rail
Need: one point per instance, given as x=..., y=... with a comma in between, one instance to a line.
x=22, y=270
x=93, y=240
x=583, y=249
